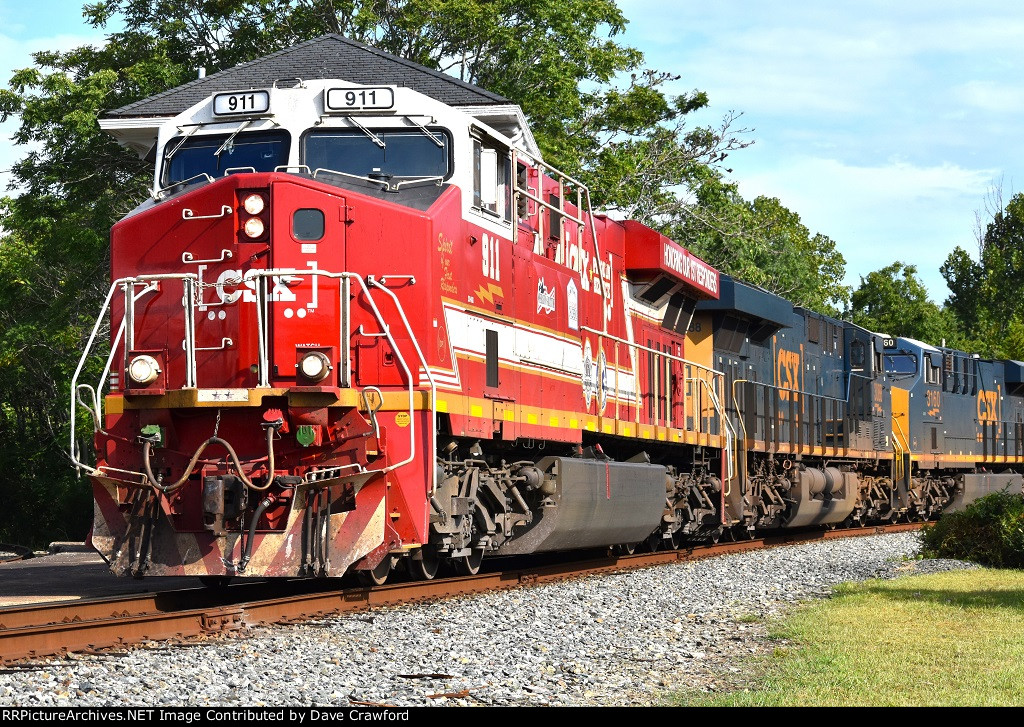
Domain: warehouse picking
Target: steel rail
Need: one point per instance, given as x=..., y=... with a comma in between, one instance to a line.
x=49, y=629
x=10, y=553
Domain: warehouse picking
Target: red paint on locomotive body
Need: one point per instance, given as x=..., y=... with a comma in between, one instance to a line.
x=290, y=339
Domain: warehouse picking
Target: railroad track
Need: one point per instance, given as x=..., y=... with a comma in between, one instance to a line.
x=10, y=553
x=90, y=625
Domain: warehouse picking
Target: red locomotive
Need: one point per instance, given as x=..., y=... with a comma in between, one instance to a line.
x=355, y=326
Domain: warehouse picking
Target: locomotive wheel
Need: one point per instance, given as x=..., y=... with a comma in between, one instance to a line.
x=377, y=576
x=469, y=565
x=425, y=568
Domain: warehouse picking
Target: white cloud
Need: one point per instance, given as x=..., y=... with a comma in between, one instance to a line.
x=881, y=213
x=990, y=96
x=881, y=124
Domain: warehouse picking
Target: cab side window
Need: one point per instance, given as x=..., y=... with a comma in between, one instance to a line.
x=492, y=179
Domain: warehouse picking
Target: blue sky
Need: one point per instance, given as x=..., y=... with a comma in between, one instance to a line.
x=882, y=124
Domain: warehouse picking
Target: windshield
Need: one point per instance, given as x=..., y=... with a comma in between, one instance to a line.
x=900, y=363
x=404, y=153
x=260, y=150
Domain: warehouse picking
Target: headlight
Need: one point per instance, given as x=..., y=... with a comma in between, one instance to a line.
x=143, y=369
x=254, y=204
x=254, y=227
x=315, y=366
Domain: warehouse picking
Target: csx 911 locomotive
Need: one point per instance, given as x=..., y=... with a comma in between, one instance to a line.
x=355, y=328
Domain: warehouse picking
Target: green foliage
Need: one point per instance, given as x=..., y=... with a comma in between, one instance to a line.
x=764, y=243
x=985, y=293
x=46, y=293
x=74, y=183
x=893, y=300
x=989, y=531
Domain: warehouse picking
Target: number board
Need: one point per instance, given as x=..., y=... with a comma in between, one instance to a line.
x=365, y=98
x=241, y=102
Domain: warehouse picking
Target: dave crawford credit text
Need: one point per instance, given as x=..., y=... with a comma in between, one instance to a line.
x=190, y=716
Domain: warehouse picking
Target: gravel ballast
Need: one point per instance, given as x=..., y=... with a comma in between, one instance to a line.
x=623, y=639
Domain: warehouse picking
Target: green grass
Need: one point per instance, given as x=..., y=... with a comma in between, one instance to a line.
x=955, y=638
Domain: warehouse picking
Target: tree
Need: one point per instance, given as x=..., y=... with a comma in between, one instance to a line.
x=985, y=293
x=75, y=182
x=893, y=300
x=764, y=243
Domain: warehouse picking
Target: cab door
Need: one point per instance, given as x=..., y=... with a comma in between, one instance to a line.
x=308, y=234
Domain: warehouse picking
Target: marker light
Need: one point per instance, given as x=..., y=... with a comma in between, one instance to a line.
x=143, y=369
x=253, y=227
x=315, y=366
x=254, y=204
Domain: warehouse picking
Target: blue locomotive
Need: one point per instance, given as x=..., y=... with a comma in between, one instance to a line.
x=836, y=424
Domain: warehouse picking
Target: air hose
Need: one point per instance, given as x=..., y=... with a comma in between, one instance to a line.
x=247, y=554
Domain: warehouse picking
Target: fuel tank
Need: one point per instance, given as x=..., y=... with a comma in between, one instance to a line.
x=592, y=503
x=979, y=485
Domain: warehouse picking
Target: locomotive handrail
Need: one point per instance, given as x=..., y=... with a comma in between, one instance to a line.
x=264, y=365
x=188, y=214
x=94, y=408
x=766, y=385
x=787, y=389
x=640, y=346
x=158, y=193
x=189, y=302
x=898, y=449
x=124, y=284
x=289, y=167
x=187, y=257
x=416, y=180
x=730, y=431
x=423, y=363
x=325, y=170
x=581, y=190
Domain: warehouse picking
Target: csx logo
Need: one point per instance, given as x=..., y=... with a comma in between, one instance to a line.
x=988, y=406
x=229, y=280
x=787, y=373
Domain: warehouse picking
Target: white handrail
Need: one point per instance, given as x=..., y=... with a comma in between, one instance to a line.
x=260, y=276
x=666, y=354
x=119, y=283
x=423, y=362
